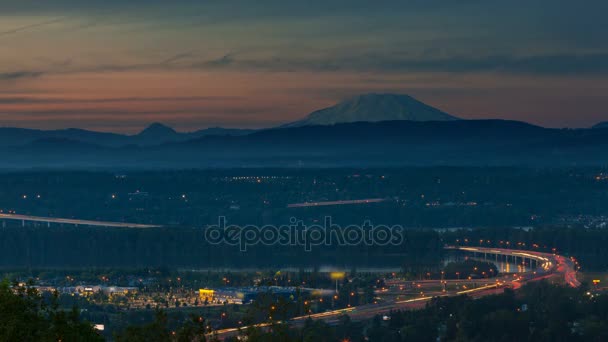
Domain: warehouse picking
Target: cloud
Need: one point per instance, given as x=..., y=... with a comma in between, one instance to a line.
x=186, y=117
x=16, y=75
x=178, y=57
x=558, y=64
x=31, y=26
x=46, y=100
x=589, y=65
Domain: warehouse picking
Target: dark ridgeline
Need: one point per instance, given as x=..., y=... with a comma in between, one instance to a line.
x=364, y=131
x=601, y=125
x=154, y=134
x=363, y=144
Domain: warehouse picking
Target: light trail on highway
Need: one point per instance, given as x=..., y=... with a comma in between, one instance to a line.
x=559, y=265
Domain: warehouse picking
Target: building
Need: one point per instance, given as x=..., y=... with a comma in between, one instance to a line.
x=206, y=295
x=245, y=295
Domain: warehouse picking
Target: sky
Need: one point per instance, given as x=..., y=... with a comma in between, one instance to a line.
x=115, y=65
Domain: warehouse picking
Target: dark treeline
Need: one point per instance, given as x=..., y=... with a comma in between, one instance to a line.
x=73, y=247
x=421, y=250
x=27, y=316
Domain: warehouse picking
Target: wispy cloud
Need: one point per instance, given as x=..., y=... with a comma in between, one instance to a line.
x=555, y=64
x=177, y=57
x=48, y=100
x=32, y=26
x=540, y=65
x=16, y=75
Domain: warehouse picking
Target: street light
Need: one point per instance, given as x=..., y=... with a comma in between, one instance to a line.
x=337, y=276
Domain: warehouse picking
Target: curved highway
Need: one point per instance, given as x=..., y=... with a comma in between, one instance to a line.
x=551, y=265
x=554, y=264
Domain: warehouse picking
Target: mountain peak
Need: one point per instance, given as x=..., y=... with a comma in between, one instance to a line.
x=374, y=107
x=157, y=129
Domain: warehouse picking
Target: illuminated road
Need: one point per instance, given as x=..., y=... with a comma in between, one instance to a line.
x=365, y=312
x=49, y=220
x=550, y=265
x=567, y=267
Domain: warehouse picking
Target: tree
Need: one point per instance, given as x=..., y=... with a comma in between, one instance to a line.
x=156, y=331
x=25, y=316
x=194, y=330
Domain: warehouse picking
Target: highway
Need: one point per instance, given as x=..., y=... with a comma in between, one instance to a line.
x=365, y=312
x=567, y=268
x=550, y=265
x=49, y=220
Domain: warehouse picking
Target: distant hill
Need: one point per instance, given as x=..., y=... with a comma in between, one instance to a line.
x=21, y=136
x=359, y=144
x=601, y=125
x=155, y=134
x=158, y=130
x=417, y=135
x=374, y=108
